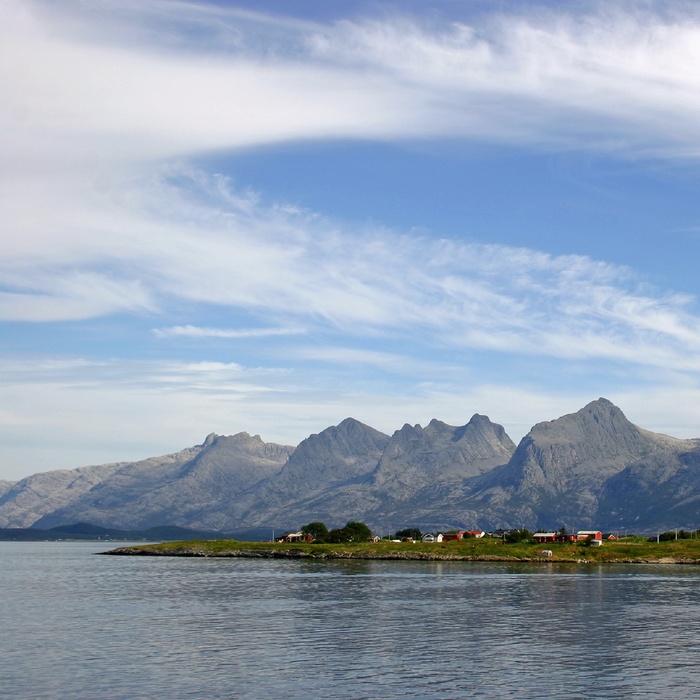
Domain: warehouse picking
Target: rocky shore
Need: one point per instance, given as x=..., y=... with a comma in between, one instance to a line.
x=187, y=549
x=147, y=551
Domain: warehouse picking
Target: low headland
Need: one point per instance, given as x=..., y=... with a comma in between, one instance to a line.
x=633, y=550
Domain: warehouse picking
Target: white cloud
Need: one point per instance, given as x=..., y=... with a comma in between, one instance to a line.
x=71, y=296
x=620, y=78
x=232, y=333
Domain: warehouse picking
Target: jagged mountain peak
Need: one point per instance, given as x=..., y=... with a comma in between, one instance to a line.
x=603, y=409
x=418, y=457
x=339, y=451
x=351, y=423
x=481, y=427
x=479, y=419
x=351, y=428
x=237, y=438
x=324, y=462
x=600, y=430
x=437, y=425
x=210, y=439
x=341, y=435
x=416, y=428
x=600, y=409
x=560, y=466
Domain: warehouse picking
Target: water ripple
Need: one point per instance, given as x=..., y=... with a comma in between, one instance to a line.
x=78, y=626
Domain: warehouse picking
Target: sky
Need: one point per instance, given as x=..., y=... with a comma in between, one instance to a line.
x=267, y=216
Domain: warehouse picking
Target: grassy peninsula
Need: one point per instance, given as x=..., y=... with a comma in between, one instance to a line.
x=626, y=550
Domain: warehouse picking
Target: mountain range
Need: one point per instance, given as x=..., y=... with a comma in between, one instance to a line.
x=589, y=469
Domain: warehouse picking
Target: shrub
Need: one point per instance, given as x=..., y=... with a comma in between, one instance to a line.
x=515, y=536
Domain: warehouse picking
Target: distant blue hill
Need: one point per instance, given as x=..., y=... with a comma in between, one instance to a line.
x=87, y=531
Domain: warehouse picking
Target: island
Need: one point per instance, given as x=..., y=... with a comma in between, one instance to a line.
x=629, y=550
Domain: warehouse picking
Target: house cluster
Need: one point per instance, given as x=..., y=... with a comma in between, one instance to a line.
x=295, y=537
x=448, y=536
x=594, y=537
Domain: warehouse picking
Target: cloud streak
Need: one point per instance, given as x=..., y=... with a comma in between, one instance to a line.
x=230, y=333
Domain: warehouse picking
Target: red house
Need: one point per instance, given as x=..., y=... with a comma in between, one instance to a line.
x=543, y=537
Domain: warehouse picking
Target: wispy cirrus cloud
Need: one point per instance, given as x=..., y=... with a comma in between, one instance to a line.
x=622, y=77
x=61, y=295
x=231, y=333
x=203, y=242
x=617, y=77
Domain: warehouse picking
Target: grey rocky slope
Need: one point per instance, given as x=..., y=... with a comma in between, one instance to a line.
x=412, y=476
x=198, y=487
x=564, y=471
x=662, y=489
x=417, y=457
x=337, y=461
x=27, y=500
x=424, y=471
x=592, y=468
x=5, y=486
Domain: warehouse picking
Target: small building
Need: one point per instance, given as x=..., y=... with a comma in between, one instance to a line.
x=542, y=537
x=295, y=537
x=451, y=536
x=430, y=537
x=475, y=533
x=582, y=535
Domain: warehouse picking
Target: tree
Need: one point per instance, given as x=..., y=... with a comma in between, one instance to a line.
x=359, y=532
x=674, y=535
x=352, y=532
x=515, y=536
x=338, y=535
x=412, y=532
x=317, y=530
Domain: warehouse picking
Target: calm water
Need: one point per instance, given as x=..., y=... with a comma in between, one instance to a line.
x=74, y=625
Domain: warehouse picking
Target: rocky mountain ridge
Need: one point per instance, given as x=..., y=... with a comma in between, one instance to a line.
x=591, y=468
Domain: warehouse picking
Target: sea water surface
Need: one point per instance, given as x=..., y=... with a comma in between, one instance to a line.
x=74, y=625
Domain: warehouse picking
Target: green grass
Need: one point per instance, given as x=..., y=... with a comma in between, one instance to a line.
x=632, y=550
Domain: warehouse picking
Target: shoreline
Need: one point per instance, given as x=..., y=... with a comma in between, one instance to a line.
x=205, y=550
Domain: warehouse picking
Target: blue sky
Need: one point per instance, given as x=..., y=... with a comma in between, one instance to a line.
x=269, y=216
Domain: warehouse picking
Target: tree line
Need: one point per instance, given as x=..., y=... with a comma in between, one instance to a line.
x=355, y=531
x=352, y=531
